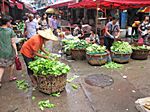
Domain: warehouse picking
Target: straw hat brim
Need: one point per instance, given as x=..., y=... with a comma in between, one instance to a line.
x=48, y=34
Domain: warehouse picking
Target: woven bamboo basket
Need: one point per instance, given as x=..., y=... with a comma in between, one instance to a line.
x=78, y=54
x=97, y=59
x=140, y=54
x=120, y=58
x=51, y=84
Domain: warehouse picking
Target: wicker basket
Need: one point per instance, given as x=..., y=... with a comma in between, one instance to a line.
x=121, y=58
x=51, y=84
x=97, y=59
x=140, y=54
x=78, y=54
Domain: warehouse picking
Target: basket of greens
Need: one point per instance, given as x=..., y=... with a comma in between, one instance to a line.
x=96, y=54
x=78, y=51
x=121, y=52
x=140, y=52
x=51, y=75
x=68, y=44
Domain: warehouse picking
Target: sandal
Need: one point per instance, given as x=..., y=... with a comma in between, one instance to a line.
x=13, y=79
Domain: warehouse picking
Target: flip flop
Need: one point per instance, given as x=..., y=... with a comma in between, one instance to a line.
x=13, y=79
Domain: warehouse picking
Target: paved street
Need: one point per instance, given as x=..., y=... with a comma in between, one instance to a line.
x=119, y=97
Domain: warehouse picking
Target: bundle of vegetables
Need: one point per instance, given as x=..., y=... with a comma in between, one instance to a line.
x=76, y=44
x=51, y=56
x=47, y=67
x=68, y=41
x=121, y=47
x=96, y=49
x=143, y=47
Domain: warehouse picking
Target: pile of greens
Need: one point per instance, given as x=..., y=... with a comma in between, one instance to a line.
x=45, y=104
x=113, y=65
x=75, y=44
x=51, y=56
x=47, y=67
x=22, y=85
x=143, y=47
x=121, y=47
x=96, y=49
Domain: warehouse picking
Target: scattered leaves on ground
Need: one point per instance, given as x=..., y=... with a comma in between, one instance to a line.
x=45, y=104
x=113, y=65
x=33, y=97
x=72, y=78
x=74, y=86
x=57, y=94
x=22, y=85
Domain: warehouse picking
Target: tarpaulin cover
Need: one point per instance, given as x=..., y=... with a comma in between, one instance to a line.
x=19, y=5
x=121, y=4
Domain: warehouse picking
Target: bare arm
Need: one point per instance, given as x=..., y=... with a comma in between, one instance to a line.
x=14, y=45
x=106, y=30
x=42, y=49
x=40, y=55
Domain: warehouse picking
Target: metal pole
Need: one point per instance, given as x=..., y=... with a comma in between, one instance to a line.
x=96, y=17
x=3, y=6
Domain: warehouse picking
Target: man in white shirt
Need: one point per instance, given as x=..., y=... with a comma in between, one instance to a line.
x=31, y=27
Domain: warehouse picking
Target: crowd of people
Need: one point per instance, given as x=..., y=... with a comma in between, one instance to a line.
x=38, y=30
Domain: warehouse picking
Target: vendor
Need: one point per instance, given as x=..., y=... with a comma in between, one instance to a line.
x=31, y=47
x=144, y=29
x=112, y=31
x=78, y=32
x=94, y=38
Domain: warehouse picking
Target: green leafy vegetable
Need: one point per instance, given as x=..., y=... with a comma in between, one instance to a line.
x=72, y=78
x=75, y=44
x=96, y=49
x=121, y=47
x=74, y=86
x=22, y=85
x=47, y=67
x=113, y=65
x=45, y=104
x=143, y=47
x=33, y=97
x=57, y=94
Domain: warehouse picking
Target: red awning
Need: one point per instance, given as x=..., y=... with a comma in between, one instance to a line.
x=111, y=4
x=61, y=4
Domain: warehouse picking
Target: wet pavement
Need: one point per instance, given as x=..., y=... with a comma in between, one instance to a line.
x=130, y=83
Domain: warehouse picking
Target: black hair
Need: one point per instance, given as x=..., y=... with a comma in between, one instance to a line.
x=5, y=19
x=42, y=18
x=67, y=28
x=93, y=31
x=115, y=18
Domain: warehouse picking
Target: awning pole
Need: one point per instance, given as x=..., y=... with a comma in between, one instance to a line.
x=96, y=17
x=3, y=6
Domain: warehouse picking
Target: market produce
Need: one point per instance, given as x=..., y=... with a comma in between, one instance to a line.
x=45, y=104
x=96, y=49
x=51, y=56
x=47, y=67
x=22, y=85
x=113, y=65
x=75, y=44
x=121, y=47
x=143, y=47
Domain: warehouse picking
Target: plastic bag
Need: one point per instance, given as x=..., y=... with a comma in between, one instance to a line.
x=18, y=63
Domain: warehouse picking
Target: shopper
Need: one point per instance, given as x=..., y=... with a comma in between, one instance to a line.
x=144, y=29
x=31, y=27
x=30, y=48
x=112, y=31
x=8, y=50
x=43, y=22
